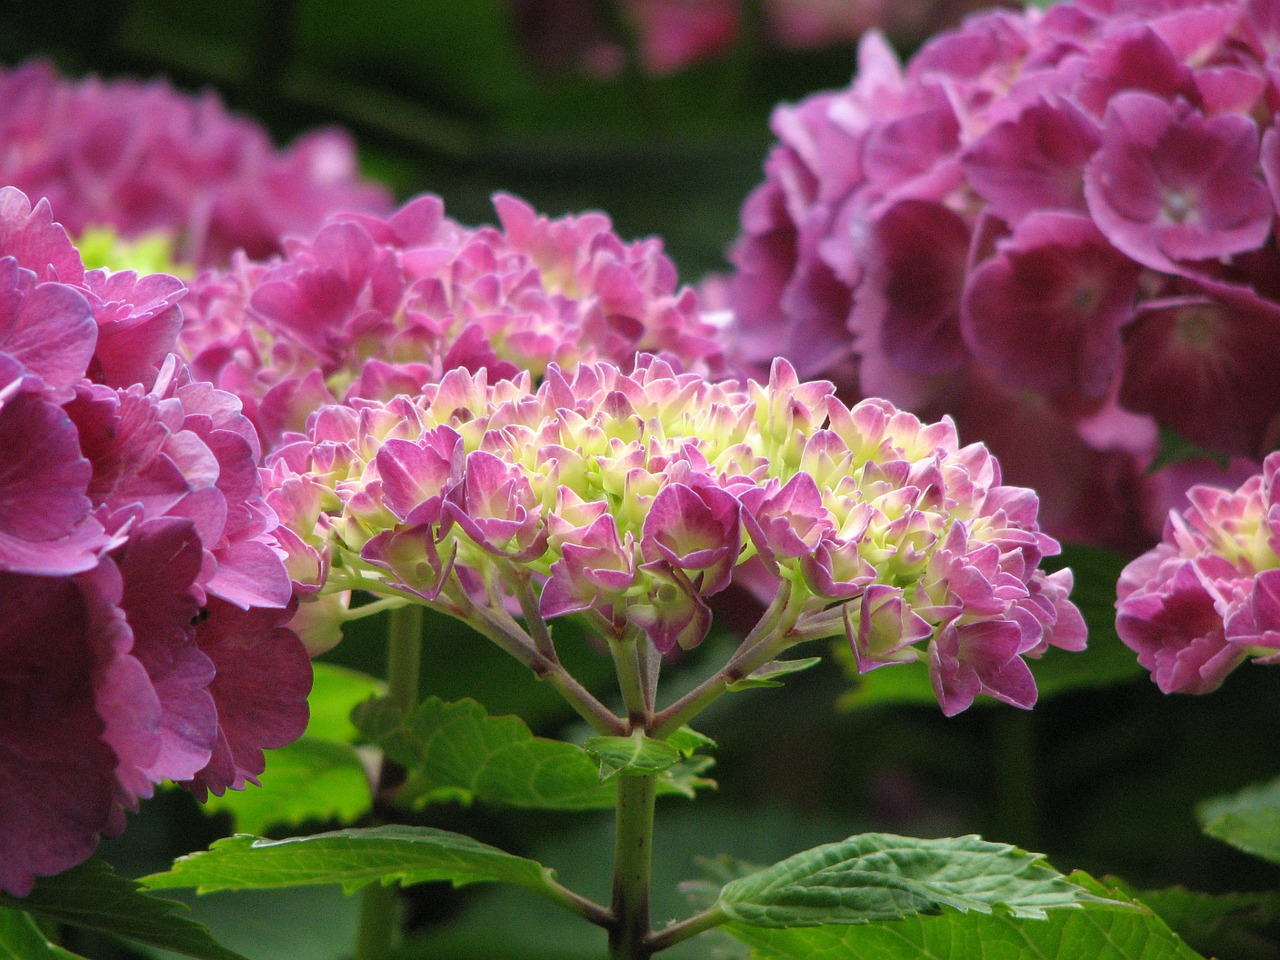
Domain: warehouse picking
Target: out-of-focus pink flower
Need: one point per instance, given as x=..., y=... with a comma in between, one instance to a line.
x=131, y=506
x=674, y=34
x=1063, y=214
x=373, y=307
x=1204, y=600
x=634, y=497
x=144, y=157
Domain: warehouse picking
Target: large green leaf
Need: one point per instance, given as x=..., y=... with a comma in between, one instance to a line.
x=308, y=780
x=21, y=939
x=92, y=896
x=1249, y=820
x=1095, y=931
x=456, y=751
x=353, y=858
x=1241, y=926
x=875, y=876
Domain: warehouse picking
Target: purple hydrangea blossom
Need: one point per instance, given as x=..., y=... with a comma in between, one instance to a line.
x=143, y=158
x=373, y=307
x=1058, y=217
x=1207, y=597
x=633, y=497
x=144, y=598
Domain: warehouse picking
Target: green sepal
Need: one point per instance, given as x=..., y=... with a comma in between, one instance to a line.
x=636, y=755
x=771, y=674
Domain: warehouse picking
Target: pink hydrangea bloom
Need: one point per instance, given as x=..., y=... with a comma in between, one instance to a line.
x=1207, y=597
x=1060, y=217
x=634, y=497
x=144, y=598
x=372, y=307
x=144, y=157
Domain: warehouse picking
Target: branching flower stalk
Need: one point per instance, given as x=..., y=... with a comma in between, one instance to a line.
x=631, y=498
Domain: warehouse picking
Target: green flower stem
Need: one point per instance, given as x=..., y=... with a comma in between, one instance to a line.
x=577, y=904
x=678, y=932
x=632, y=859
x=508, y=635
x=404, y=655
x=771, y=636
x=371, y=609
x=378, y=927
x=626, y=659
x=518, y=578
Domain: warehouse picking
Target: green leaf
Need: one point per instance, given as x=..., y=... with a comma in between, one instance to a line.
x=319, y=777
x=455, y=751
x=771, y=673
x=21, y=939
x=1242, y=926
x=689, y=741
x=353, y=858
x=1098, y=930
x=1174, y=448
x=308, y=780
x=92, y=896
x=1248, y=820
x=335, y=693
x=877, y=876
x=636, y=755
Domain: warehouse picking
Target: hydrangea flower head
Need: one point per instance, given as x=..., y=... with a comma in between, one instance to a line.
x=373, y=307
x=137, y=567
x=633, y=497
x=1207, y=597
x=1058, y=217
x=143, y=157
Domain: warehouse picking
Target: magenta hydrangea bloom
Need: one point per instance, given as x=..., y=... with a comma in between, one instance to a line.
x=633, y=497
x=1207, y=597
x=1059, y=216
x=144, y=157
x=373, y=307
x=144, y=596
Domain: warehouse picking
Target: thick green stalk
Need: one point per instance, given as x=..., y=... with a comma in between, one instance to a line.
x=379, y=923
x=632, y=859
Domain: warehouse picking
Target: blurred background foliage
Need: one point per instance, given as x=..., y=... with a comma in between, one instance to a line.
x=465, y=97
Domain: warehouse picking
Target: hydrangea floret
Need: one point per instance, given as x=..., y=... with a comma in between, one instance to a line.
x=142, y=628
x=145, y=159
x=1207, y=597
x=372, y=307
x=1054, y=224
x=632, y=498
